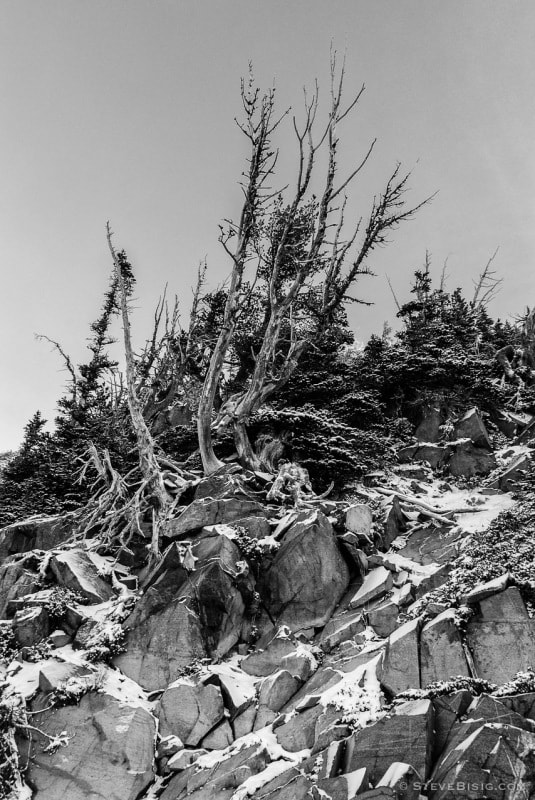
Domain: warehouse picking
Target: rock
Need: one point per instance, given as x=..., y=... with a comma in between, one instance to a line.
x=210, y=511
x=468, y=460
x=75, y=570
x=401, y=668
x=291, y=785
x=281, y=652
x=244, y=722
x=255, y=527
x=189, y=710
x=15, y=581
x=484, y=590
x=501, y=627
x=441, y=651
x=226, y=774
x=341, y=629
x=515, y=472
x=299, y=732
x=184, y=758
x=383, y=618
x=523, y=704
x=108, y=755
x=433, y=545
x=219, y=738
x=53, y=673
x=308, y=575
x=471, y=426
x=160, y=642
x=275, y=690
x=359, y=519
x=403, y=780
x=406, y=737
x=429, y=428
x=238, y=692
x=493, y=756
x=59, y=639
x=448, y=709
x=393, y=523
x=31, y=626
x=343, y=787
x=40, y=533
x=309, y=694
x=436, y=455
x=432, y=580
x=376, y=583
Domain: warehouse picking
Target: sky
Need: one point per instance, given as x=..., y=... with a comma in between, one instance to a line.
x=123, y=110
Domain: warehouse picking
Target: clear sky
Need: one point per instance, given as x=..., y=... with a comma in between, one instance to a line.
x=123, y=110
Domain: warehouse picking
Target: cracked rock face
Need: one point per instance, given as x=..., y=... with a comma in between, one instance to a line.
x=109, y=754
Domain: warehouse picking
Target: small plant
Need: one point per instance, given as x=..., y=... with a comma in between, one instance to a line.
x=105, y=642
x=522, y=683
x=8, y=643
x=59, y=601
x=71, y=691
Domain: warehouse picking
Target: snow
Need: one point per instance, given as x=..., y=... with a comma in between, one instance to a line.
x=358, y=695
x=240, y=686
x=354, y=781
x=395, y=772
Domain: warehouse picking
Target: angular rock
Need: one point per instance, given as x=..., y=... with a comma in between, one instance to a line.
x=31, y=626
x=267, y=661
x=493, y=755
x=359, y=519
x=523, y=704
x=227, y=774
x=219, y=738
x=433, y=545
x=15, y=582
x=299, y=732
x=54, y=673
x=484, y=590
x=376, y=583
x=109, y=752
x=184, y=758
x=383, y=618
x=308, y=575
x=406, y=737
x=501, y=627
x=393, y=523
x=401, y=666
x=448, y=709
x=244, y=722
x=160, y=642
x=403, y=780
x=238, y=692
x=468, y=460
x=255, y=527
x=189, y=710
x=75, y=570
x=441, y=651
x=341, y=629
x=429, y=428
x=471, y=426
x=515, y=472
x=343, y=787
x=209, y=511
x=436, y=455
x=41, y=533
x=277, y=689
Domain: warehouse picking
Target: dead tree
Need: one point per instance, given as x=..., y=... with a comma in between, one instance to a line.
x=309, y=271
x=148, y=465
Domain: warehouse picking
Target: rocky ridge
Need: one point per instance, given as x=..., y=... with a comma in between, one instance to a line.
x=279, y=653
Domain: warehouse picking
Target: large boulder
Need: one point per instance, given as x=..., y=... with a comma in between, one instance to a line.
x=429, y=428
x=377, y=582
x=108, y=753
x=15, y=582
x=308, y=575
x=39, y=533
x=162, y=639
x=468, y=460
x=501, y=637
x=190, y=710
x=75, y=570
x=401, y=665
x=211, y=511
x=406, y=737
x=471, y=426
x=441, y=651
x=186, y=616
x=436, y=455
x=497, y=760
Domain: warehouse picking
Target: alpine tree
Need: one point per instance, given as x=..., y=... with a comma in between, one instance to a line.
x=295, y=243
